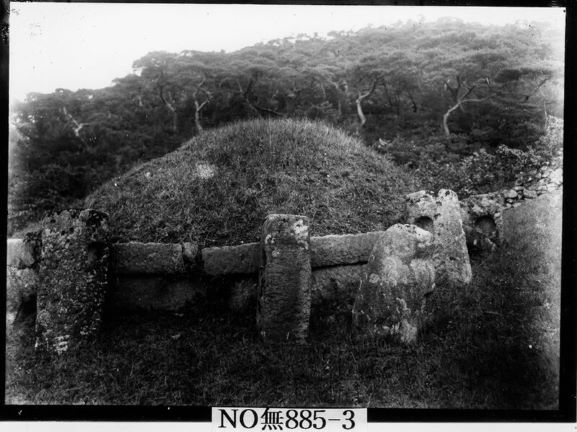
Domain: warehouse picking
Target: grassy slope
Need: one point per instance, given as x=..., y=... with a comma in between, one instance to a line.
x=258, y=167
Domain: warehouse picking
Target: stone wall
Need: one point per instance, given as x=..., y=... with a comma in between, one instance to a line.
x=482, y=214
x=159, y=276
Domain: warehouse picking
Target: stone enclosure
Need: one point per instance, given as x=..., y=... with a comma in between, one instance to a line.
x=69, y=271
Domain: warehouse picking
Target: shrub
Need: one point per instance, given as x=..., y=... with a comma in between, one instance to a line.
x=453, y=164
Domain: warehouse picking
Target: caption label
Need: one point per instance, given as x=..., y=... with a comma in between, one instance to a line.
x=287, y=419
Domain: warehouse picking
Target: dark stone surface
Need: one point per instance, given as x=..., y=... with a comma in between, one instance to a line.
x=242, y=259
x=170, y=293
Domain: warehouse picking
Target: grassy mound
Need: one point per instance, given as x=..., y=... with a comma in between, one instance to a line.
x=218, y=187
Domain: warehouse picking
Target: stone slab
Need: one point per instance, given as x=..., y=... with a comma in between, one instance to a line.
x=153, y=258
x=219, y=261
x=338, y=250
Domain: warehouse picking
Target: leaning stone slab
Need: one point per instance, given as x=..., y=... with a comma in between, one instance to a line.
x=242, y=259
x=442, y=217
x=284, y=294
x=400, y=273
x=333, y=250
x=72, y=279
x=153, y=258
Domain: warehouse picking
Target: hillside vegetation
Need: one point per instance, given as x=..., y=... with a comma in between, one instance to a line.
x=218, y=187
x=418, y=91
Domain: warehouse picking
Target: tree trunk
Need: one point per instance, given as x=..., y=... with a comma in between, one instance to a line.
x=197, y=108
x=197, y=123
x=360, y=113
x=174, y=122
x=446, y=119
x=359, y=101
x=172, y=109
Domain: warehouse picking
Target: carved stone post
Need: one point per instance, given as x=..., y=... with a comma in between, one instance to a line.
x=284, y=295
x=73, y=275
x=441, y=216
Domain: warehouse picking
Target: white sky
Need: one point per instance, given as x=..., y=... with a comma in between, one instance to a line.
x=87, y=45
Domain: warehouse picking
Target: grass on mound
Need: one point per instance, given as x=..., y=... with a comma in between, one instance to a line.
x=218, y=187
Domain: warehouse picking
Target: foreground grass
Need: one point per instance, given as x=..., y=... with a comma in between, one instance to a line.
x=493, y=344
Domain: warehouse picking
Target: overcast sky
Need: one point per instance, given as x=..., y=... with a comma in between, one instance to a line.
x=87, y=45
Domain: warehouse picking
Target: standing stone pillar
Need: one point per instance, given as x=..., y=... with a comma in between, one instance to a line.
x=73, y=275
x=284, y=294
x=442, y=217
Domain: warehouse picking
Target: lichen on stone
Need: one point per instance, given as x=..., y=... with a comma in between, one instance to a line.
x=73, y=276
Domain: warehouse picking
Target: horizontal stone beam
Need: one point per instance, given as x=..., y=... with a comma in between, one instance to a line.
x=174, y=258
x=336, y=250
x=326, y=251
x=153, y=258
x=242, y=259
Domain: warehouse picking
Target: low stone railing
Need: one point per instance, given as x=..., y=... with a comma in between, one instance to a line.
x=70, y=256
x=161, y=276
x=72, y=271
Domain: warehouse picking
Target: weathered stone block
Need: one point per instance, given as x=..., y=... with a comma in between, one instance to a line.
x=421, y=209
x=153, y=258
x=391, y=297
x=442, y=217
x=284, y=295
x=346, y=249
x=73, y=275
x=21, y=286
x=482, y=221
x=242, y=259
x=23, y=253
